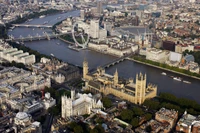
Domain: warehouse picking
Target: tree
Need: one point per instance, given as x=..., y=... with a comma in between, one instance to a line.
x=94, y=131
x=135, y=122
x=151, y=104
x=99, y=128
x=148, y=116
x=148, y=129
x=126, y=14
x=106, y=102
x=137, y=111
x=78, y=129
x=54, y=110
x=126, y=114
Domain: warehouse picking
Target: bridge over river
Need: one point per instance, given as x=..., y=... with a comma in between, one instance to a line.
x=35, y=38
x=112, y=63
x=32, y=25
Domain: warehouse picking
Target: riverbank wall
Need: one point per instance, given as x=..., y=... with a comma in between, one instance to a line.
x=131, y=59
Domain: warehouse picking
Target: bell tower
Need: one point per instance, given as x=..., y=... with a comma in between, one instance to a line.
x=85, y=68
x=140, y=88
x=116, y=79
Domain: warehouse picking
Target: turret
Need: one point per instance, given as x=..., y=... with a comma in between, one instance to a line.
x=85, y=68
x=72, y=94
x=116, y=78
x=140, y=88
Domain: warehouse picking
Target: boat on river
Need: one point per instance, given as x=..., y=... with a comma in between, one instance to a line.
x=42, y=16
x=177, y=78
x=30, y=20
x=52, y=54
x=163, y=73
x=187, y=82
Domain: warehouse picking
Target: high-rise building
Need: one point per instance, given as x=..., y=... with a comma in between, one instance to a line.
x=99, y=6
x=94, y=28
x=82, y=14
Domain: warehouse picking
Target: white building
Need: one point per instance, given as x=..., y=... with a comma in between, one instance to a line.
x=22, y=119
x=13, y=54
x=48, y=101
x=181, y=48
x=175, y=57
x=85, y=27
x=96, y=31
x=94, y=28
x=102, y=34
x=156, y=55
x=78, y=105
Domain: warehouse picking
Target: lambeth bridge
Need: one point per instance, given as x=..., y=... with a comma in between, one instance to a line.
x=35, y=38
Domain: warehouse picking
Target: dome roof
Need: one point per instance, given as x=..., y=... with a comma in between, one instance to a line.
x=21, y=115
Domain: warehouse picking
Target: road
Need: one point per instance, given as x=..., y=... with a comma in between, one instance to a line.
x=50, y=120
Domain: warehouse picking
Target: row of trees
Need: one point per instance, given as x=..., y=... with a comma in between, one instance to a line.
x=141, y=59
x=3, y=33
x=68, y=38
x=133, y=115
x=81, y=127
x=13, y=63
x=170, y=101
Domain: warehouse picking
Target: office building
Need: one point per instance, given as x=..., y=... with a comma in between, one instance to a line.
x=156, y=55
x=167, y=116
x=94, y=28
x=13, y=54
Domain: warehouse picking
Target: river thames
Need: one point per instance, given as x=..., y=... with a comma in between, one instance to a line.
x=125, y=69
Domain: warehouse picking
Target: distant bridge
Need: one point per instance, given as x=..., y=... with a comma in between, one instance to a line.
x=32, y=25
x=34, y=38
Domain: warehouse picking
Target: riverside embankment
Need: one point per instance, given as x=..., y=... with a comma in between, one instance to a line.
x=163, y=68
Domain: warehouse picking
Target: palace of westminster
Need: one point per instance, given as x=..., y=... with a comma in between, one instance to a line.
x=107, y=84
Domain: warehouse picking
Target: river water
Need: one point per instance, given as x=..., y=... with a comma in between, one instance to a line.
x=125, y=69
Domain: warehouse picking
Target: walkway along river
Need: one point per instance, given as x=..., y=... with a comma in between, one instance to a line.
x=126, y=69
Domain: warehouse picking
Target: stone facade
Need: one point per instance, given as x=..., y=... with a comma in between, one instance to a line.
x=134, y=92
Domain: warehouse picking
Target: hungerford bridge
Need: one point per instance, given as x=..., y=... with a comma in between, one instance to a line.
x=32, y=25
x=34, y=38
